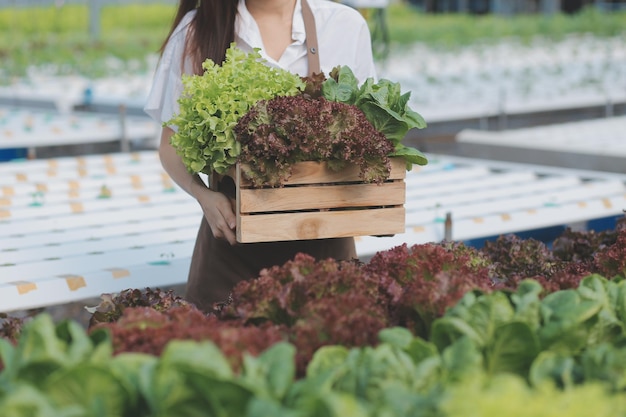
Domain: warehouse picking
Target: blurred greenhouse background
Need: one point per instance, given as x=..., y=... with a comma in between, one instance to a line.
x=413, y=40
x=468, y=64
x=477, y=64
x=539, y=83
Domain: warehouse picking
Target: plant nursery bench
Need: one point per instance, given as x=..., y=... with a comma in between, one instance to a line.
x=76, y=227
x=38, y=128
x=64, y=93
x=73, y=228
x=597, y=144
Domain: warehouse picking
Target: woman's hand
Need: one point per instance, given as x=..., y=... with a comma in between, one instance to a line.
x=217, y=208
x=219, y=212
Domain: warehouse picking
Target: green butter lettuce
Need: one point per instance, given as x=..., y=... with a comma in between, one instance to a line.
x=212, y=103
x=384, y=106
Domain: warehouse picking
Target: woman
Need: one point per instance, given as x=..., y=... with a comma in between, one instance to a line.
x=205, y=29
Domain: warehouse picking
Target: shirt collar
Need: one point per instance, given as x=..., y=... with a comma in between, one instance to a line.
x=248, y=31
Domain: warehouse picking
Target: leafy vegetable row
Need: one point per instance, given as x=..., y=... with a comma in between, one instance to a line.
x=430, y=330
x=479, y=362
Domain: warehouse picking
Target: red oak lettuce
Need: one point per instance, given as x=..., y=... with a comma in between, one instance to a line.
x=277, y=133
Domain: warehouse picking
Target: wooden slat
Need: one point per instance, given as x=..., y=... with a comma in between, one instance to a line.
x=321, y=197
x=318, y=172
x=319, y=225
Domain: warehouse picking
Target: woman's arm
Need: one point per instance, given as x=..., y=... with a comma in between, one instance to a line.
x=217, y=208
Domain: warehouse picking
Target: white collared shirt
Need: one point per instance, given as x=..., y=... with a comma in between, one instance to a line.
x=342, y=34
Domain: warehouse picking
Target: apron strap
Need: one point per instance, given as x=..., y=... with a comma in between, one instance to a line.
x=311, y=39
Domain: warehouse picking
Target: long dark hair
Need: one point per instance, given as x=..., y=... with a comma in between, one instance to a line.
x=212, y=30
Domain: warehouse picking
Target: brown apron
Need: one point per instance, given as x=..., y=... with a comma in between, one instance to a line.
x=216, y=266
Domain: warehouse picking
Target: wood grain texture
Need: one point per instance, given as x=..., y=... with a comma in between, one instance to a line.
x=310, y=172
x=318, y=203
x=319, y=224
x=321, y=197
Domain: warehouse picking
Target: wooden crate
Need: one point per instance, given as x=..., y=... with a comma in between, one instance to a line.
x=317, y=203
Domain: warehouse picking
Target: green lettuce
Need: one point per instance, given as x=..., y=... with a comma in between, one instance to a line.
x=212, y=103
x=509, y=395
x=384, y=106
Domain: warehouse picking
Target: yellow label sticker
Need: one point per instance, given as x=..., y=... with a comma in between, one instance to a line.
x=119, y=272
x=167, y=184
x=135, y=180
x=74, y=282
x=24, y=286
x=77, y=207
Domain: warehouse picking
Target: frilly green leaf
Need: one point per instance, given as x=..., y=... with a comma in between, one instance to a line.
x=212, y=103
